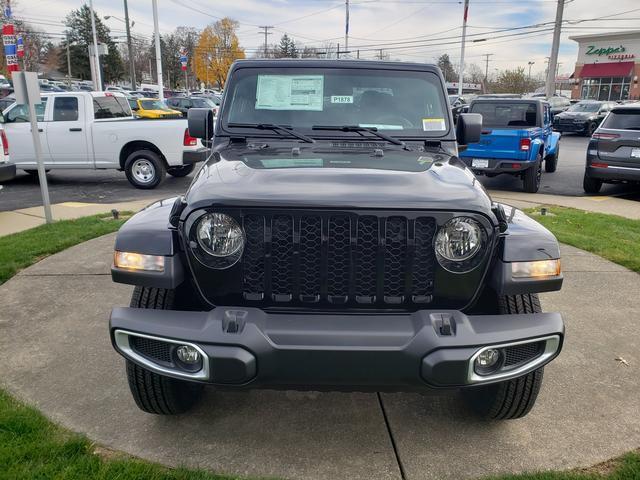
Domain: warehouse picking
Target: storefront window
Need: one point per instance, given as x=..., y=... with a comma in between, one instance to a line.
x=606, y=88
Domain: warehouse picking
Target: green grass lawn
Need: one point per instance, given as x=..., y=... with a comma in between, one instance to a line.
x=19, y=250
x=32, y=447
x=609, y=236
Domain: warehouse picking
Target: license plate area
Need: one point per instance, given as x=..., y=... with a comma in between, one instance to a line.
x=635, y=153
x=480, y=163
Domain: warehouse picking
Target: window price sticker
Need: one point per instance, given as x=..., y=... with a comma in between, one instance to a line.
x=433, y=124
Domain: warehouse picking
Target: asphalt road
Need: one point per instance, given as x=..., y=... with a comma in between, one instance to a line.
x=109, y=186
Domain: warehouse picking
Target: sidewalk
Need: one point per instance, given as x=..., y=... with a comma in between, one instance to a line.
x=23, y=219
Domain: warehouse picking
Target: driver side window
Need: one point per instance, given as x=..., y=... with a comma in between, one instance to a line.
x=20, y=113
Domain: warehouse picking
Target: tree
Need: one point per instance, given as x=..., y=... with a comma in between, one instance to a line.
x=512, y=81
x=449, y=72
x=286, y=48
x=218, y=47
x=80, y=36
x=37, y=48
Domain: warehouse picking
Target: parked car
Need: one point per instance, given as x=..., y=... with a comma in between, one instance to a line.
x=613, y=154
x=7, y=169
x=459, y=104
x=582, y=117
x=7, y=101
x=184, y=104
x=558, y=105
x=97, y=131
x=338, y=245
x=153, y=108
x=516, y=139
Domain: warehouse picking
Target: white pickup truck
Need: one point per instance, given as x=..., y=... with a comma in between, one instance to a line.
x=96, y=130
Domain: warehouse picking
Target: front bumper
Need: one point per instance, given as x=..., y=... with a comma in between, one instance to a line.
x=7, y=172
x=194, y=156
x=250, y=348
x=580, y=127
x=499, y=165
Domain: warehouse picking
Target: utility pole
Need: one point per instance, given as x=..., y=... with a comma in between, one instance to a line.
x=464, y=37
x=68, y=63
x=156, y=31
x=550, y=87
x=266, y=32
x=338, y=52
x=346, y=25
x=97, y=77
x=380, y=54
x=132, y=63
x=486, y=69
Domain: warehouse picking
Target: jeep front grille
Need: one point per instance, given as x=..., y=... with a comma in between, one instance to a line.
x=339, y=258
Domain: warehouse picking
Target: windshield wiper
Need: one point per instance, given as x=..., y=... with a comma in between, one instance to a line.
x=276, y=128
x=359, y=129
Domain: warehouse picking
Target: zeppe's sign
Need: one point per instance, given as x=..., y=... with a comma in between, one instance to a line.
x=592, y=50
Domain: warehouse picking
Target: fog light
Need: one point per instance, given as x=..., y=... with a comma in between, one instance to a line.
x=488, y=358
x=188, y=355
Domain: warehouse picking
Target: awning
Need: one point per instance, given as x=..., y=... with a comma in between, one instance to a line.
x=612, y=69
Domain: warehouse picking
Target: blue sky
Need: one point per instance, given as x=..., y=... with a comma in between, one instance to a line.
x=374, y=24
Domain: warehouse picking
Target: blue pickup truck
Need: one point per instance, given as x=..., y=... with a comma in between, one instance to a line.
x=517, y=138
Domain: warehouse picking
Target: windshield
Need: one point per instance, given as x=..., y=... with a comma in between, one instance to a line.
x=202, y=103
x=153, y=105
x=505, y=114
x=584, y=107
x=405, y=103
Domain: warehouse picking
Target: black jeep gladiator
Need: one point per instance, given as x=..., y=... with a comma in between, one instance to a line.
x=334, y=241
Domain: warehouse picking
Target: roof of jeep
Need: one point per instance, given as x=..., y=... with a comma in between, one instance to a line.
x=324, y=63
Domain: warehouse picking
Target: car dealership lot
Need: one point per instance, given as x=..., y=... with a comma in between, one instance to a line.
x=108, y=186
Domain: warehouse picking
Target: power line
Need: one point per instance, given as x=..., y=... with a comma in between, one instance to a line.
x=266, y=32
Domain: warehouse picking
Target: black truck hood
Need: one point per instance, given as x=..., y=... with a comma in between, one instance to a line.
x=576, y=115
x=330, y=180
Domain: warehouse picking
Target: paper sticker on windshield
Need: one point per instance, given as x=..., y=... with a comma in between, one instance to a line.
x=290, y=92
x=341, y=98
x=433, y=124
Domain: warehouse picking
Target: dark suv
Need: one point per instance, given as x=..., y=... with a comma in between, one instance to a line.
x=582, y=117
x=613, y=155
x=184, y=104
x=334, y=241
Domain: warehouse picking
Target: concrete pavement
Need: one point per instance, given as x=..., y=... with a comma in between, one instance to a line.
x=59, y=358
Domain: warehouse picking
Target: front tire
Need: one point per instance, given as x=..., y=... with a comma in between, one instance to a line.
x=514, y=398
x=182, y=171
x=144, y=169
x=532, y=177
x=154, y=393
x=551, y=162
x=591, y=127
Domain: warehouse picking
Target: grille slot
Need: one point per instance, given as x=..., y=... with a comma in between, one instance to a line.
x=338, y=258
x=151, y=348
x=517, y=354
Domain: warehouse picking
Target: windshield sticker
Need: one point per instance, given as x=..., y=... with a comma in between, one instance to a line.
x=291, y=162
x=381, y=126
x=290, y=92
x=341, y=98
x=433, y=124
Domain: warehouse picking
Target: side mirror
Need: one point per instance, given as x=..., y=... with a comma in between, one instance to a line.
x=468, y=128
x=200, y=123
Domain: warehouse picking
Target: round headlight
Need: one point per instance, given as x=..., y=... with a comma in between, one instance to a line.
x=459, y=239
x=219, y=235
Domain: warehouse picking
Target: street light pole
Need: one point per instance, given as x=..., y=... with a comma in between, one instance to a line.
x=68, y=63
x=346, y=26
x=97, y=77
x=156, y=31
x=132, y=63
x=464, y=36
x=530, y=63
